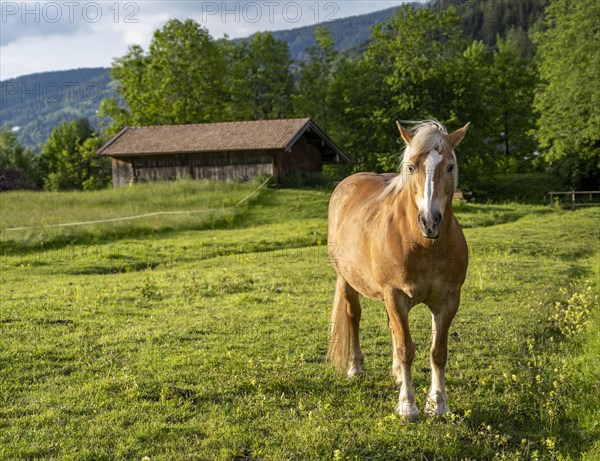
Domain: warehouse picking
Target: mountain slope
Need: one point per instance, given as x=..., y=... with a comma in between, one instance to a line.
x=347, y=32
x=35, y=104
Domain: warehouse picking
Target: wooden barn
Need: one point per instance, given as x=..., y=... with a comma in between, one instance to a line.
x=222, y=151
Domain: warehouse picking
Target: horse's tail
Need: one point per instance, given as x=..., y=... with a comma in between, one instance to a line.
x=339, y=337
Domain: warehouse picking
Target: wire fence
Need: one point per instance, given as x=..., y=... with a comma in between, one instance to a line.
x=145, y=215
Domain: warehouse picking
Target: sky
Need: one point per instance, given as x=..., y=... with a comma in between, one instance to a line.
x=57, y=35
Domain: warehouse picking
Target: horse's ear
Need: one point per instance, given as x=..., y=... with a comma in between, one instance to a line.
x=456, y=137
x=407, y=135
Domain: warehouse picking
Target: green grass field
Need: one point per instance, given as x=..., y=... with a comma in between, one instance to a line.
x=194, y=337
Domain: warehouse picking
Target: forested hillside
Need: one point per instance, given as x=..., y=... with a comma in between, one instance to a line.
x=347, y=33
x=487, y=20
x=35, y=104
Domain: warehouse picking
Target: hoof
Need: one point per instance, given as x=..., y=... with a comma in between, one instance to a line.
x=353, y=372
x=437, y=407
x=407, y=411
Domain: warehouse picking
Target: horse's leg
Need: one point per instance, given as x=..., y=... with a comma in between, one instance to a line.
x=398, y=305
x=353, y=311
x=442, y=315
x=396, y=367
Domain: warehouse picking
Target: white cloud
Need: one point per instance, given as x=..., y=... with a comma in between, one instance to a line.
x=138, y=33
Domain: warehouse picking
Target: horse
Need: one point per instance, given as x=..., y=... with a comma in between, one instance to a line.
x=394, y=238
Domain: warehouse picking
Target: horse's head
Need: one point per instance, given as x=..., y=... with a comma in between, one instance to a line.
x=430, y=172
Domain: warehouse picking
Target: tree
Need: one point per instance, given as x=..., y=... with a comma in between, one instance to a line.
x=568, y=99
x=410, y=72
x=473, y=102
x=68, y=159
x=179, y=80
x=356, y=95
x=258, y=78
x=415, y=51
x=118, y=117
x=96, y=172
x=512, y=90
x=13, y=154
x=263, y=82
x=19, y=165
x=316, y=74
x=240, y=105
x=487, y=20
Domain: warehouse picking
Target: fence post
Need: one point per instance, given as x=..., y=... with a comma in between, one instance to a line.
x=573, y=200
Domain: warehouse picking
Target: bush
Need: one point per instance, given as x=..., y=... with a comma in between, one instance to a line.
x=14, y=178
x=524, y=187
x=292, y=180
x=297, y=180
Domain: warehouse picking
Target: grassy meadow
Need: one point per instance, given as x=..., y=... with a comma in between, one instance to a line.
x=145, y=210
x=203, y=336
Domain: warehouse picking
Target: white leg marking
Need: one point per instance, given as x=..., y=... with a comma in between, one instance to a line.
x=354, y=371
x=396, y=367
x=406, y=406
x=437, y=399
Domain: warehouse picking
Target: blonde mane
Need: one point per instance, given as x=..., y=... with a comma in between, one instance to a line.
x=429, y=134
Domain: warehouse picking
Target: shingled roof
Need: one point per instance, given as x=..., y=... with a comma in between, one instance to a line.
x=218, y=137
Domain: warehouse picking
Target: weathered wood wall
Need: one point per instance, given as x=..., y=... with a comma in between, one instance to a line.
x=231, y=165
x=122, y=171
x=216, y=166
x=304, y=157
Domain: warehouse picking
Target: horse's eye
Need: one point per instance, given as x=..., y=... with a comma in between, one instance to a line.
x=411, y=169
x=450, y=168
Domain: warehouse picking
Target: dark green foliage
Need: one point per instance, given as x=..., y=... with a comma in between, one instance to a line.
x=19, y=165
x=525, y=188
x=260, y=78
x=418, y=66
x=291, y=180
x=356, y=94
x=297, y=180
x=477, y=153
x=69, y=161
x=187, y=77
x=315, y=82
x=487, y=20
x=514, y=82
x=568, y=98
x=179, y=80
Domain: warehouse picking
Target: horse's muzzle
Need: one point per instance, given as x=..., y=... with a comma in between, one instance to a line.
x=430, y=223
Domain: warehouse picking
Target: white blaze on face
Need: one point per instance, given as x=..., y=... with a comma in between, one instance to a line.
x=431, y=163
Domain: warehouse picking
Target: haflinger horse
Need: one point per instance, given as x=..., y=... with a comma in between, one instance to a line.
x=394, y=238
